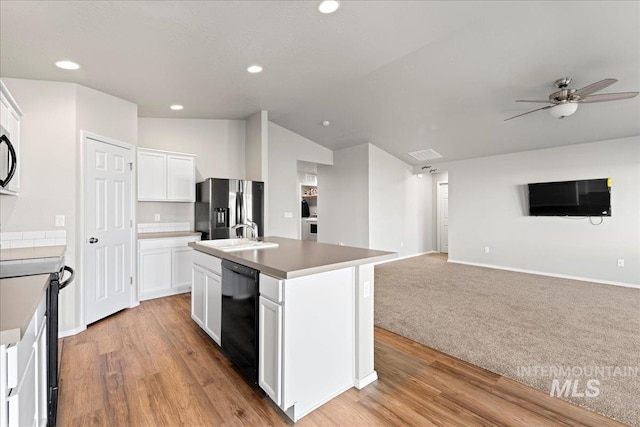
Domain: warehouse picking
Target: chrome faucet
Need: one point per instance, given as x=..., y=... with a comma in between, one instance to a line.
x=250, y=226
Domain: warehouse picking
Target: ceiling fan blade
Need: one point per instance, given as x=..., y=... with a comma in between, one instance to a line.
x=608, y=97
x=529, y=112
x=592, y=88
x=529, y=100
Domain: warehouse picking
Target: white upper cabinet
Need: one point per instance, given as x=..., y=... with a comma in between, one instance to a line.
x=152, y=175
x=181, y=185
x=10, y=115
x=165, y=176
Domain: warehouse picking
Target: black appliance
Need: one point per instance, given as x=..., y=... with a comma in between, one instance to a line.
x=589, y=197
x=8, y=158
x=305, y=209
x=240, y=317
x=55, y=268
x=222, y=203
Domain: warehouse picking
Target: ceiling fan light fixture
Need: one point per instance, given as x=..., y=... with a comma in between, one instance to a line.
x=563, y=109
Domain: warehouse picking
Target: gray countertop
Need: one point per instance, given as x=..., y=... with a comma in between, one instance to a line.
x=32, y=253
x=19, y=298
x=297, y=258
x=168, y=234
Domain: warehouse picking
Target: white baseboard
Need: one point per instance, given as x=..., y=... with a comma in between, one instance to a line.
x=363, y=382
x=165, y=293
x=407, y=256
x=543, y=273
x=70, y=332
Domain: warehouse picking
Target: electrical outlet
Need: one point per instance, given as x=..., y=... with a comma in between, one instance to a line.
x=288, y=214
x=486, y=249
x=156, y=217
x=59, y=220
x=620, y=262
x=401, y=244
x=341, y=244
x=366, y=292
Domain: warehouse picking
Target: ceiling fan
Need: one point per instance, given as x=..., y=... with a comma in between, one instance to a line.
x=565, y=101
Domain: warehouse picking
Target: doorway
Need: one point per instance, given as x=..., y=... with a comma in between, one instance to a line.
x=107, y=234
x=442, y=206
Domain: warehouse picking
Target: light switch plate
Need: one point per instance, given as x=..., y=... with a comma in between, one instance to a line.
x=60, y=221
x=366, y=293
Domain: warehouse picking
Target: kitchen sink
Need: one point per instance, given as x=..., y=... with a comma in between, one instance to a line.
x=233, y=245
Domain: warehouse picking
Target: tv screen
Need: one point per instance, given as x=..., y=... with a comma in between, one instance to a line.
x=588, y=197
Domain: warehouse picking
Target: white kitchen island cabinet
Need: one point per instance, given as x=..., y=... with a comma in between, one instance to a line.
x=315, y=318
x=206, y=294
x=165, y=176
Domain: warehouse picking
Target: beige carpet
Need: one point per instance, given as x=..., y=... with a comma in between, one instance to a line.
x=526, y=327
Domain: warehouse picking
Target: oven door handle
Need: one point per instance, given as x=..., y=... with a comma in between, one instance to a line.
x=14, y=161
x=69, y=280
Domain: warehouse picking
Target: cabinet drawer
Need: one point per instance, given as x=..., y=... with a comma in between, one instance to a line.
x=271, y=288
x=209, y=262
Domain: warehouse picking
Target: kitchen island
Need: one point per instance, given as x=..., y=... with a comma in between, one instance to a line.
x=315, y=325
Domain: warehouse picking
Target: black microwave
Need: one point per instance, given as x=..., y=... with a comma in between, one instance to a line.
x=8, y=158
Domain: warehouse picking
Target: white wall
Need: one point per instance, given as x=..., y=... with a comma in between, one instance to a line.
x=284, y=151
x=219, y=145
x=371, y=199
x=256, y=146
x=343, y=198
x=54, y=114
x=488, y=207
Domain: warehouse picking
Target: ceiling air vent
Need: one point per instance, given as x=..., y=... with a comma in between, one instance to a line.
x=424, y=155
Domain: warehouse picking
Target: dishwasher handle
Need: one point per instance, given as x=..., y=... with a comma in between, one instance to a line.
x=243, y=270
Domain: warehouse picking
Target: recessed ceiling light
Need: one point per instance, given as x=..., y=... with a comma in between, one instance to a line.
x=176, y=107
x=67, y=65
x=254, y=69
x=326, y=123
x=328, y=6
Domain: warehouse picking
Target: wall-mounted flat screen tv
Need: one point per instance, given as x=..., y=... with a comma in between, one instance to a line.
x=587, y=197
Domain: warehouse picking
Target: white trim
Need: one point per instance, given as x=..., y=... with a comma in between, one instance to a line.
x=165, y=293
x=407, y=256
x=438, y=215
x=543, y=273
x=84, y=135
x=167, y=152
x=70, y=332
x=363, y=382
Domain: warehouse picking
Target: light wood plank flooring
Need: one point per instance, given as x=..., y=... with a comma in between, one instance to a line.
x=152, y=366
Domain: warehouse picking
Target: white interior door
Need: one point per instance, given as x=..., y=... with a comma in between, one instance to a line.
x=108, y=228
x=443, y=216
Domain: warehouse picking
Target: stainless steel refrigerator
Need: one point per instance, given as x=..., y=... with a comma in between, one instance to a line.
x=222, y=204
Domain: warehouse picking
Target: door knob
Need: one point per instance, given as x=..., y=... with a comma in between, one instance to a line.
x=93, y=240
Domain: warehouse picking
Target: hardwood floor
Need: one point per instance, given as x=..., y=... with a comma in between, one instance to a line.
x=152, y=366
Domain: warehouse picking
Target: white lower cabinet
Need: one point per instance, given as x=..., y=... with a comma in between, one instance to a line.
x=306, y=339
x=206, y=294
x=198, y=284
x=270, y=351
x=23, y=376
x=164, y=266
x=213, y=306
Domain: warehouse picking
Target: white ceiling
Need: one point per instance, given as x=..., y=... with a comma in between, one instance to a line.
x=403, y=75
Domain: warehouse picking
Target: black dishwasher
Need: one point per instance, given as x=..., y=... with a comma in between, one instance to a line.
x=240, y=317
